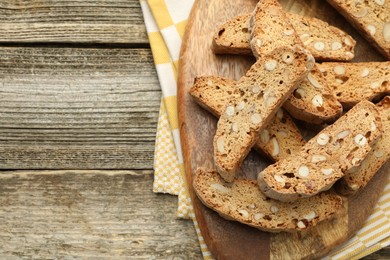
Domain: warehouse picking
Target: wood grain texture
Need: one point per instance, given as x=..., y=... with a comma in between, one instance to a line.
x=90, y=215
x=224, y=238
x=76, y=21
x=69, y=108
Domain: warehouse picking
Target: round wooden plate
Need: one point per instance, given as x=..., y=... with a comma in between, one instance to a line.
x=228, y=239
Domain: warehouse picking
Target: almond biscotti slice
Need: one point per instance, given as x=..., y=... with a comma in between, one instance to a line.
x=270, y=28
x=261, y=92
x=313, y=101
x=326, y=157
x=242, y=201
x=325, y=42
x=354, y=82
x=358, y=177
x=370, y=18
x=280, y=138
x=233, y=37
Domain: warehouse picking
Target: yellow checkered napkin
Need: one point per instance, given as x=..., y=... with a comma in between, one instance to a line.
x=165, y=22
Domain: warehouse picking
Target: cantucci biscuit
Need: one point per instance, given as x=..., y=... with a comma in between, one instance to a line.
x=270, y=28
x=257, y=97
x=278, y=140
x=325, y=42
x=326, y=157
x=370, y=18
x=242, y=201
x=354, y=82
x=357, y=177
x=313, y=101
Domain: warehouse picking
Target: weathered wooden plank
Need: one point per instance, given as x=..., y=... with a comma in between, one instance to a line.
x=76, y=21
x=90, y=214
x=69, y=108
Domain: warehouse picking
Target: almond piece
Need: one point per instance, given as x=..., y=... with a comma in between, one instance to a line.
x=371, y=29
x=336, y=46
x=386, y=32
x=288, y=31
x=360, y=140
x=299, y=93
x=361, y=12
x=310, y=216
x=221, y=145
x=270, y=101
x=354, y=186
x=323, y=139
x=349, y=54
x=279, y=178
x=282, y=134
x=220, y=188
x=235, y=127
x=288, y=57
x=256, y=118
x=373, y=126
x=356, y=161
x=241, y=106
x=365, y=72
x=270, y=65
x=313, y=81
x=378, y=153
x=343, y=134
x=251, y=206
x=319, y=46
x=274, y=209
x=376, y=84
x=318, y=158
x=258, y=216
x=303, y=171
x=304, y=36
x=230, y=110
x=301, y=225
x=348, y=41
x=327, y=171
x=243, y=213
x=317, y=101
x=339, y=70
x=280, y=114
x=264, y=136
x=258, y=43
x=275, y=148
x=256, y=89
x=380, y=2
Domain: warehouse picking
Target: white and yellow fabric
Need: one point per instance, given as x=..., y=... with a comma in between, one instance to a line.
x=165, y=22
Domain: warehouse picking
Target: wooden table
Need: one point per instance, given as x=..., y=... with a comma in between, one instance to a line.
x=79, y=101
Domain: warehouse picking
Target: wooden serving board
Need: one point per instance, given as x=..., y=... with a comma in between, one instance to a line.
x=232, y=240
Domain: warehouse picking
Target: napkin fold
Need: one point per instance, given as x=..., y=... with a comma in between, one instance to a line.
x=165, y=22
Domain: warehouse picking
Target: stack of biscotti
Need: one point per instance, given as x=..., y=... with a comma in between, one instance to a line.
x=294, y=193
x=325, y=158
x=313, y=100
x=278, y=140
x=357, y=177
x=325, y=42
